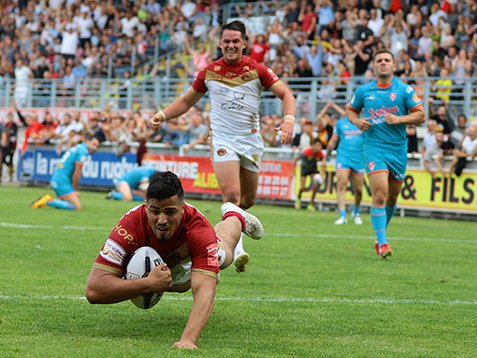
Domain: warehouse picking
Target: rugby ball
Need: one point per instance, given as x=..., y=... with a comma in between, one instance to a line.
x=142, y=261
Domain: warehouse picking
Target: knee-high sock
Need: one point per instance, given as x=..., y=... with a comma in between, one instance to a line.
x=355, y=210
x=378, y=221
x=390, y=210
x=239, y=247
x=61, y=204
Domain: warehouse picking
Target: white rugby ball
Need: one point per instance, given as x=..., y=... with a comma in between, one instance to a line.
x=142, y=261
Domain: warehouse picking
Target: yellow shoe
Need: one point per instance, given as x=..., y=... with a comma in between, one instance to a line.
x=241, y=261
x=311, y=207
x=41, y=202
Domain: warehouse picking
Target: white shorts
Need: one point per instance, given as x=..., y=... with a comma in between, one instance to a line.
x=247, y=149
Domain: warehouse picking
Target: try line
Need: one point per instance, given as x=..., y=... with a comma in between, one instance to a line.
x=271, y=300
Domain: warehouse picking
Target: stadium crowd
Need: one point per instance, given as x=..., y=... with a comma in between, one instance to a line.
x=71, y=40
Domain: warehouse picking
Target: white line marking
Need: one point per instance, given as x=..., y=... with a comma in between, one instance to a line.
x=318, y=236
x=268, y=300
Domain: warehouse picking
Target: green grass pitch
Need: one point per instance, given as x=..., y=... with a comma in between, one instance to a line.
x=312, y=289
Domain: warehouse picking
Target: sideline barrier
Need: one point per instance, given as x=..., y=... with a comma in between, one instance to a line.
x=277, y=182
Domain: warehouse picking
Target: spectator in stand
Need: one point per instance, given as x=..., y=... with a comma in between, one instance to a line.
x=198, y=131
x=412, y=140
x=363, y=32
x=85, y=25
x=443, y=86
x=129, y=23
x=305, y=136
x=314, y=58
x=292, y=13
x=69, y=41
x=308, y=20
x=441, y=116
x=375, y=23
x=467, y=148
x=268, y=132
x=200, y=58
x=259, y=49
x=23, y=73
x=94, y=127
x=433, y=155
x=459, y=131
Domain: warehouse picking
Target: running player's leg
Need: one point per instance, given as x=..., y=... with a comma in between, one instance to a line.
x=391, y=203
x=358, y=183
x=379, y=189
x=343, y=178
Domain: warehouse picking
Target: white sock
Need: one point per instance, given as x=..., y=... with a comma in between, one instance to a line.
x=239, y=247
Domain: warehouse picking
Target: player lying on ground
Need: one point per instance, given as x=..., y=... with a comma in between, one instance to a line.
x=192, y=249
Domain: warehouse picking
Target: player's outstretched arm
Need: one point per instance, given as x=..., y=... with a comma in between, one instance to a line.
x=203, y=291
x=176, y=108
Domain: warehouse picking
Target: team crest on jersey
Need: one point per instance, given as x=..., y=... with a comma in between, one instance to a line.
x=217, y=68
x=392, y=96
x=371, y=165
x=221, y=152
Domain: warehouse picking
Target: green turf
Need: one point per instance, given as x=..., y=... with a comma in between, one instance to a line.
x=312, y=289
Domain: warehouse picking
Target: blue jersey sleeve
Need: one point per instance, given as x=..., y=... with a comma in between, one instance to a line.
x=356, y=102
x=412, y=98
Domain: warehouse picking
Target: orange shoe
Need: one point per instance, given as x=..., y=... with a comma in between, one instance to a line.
x=41, y=202
x=385, y=251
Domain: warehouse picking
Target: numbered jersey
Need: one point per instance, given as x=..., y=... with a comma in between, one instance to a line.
x=66, y=166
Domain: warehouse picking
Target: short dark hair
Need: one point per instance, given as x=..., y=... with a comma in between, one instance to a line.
x=163, y=185
x=235, y=25
x=383, y=50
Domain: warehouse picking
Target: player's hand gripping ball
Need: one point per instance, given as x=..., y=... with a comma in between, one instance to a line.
x=142, y=261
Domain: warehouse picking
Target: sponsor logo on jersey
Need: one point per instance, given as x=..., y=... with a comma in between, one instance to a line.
x=221, y=152
x=381, y=112
x=113, y=252
x=121, y=231
x=392, y=96
x=369, y=98
x=416, y=98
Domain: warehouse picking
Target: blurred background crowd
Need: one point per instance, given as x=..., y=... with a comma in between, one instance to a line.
x=69, y=41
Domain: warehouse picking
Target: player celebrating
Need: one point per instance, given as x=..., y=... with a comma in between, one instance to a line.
x=192, y=249
x=235, y=84
x=388, y=105
x=349, y=160
x=132, y=185
x=66, y=176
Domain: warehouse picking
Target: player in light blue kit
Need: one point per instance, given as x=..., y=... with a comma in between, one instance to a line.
x=66, y=176
x=132, y=185
x=388, y=105
x=349, y=163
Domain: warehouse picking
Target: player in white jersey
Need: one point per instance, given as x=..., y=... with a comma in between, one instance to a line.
x=235, y=83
